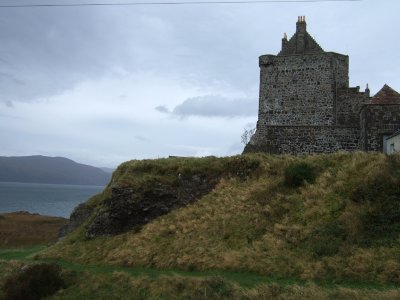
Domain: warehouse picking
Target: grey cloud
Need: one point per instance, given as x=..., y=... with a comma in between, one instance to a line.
x=216, y=106
x=47, y=51
x=51, y=50
x=162, y=109
x=9, y=78
x=43, y=55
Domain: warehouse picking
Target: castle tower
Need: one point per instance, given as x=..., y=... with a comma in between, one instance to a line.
x=305, y=104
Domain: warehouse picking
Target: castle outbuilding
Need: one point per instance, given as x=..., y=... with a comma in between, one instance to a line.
x=306, y=104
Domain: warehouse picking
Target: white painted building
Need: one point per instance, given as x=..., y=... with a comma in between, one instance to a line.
x=393, y=143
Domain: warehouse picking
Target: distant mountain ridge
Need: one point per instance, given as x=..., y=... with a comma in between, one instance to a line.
x=53, y=170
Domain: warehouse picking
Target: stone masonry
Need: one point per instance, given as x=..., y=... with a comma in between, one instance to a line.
x=379, y=119
x=306, y=104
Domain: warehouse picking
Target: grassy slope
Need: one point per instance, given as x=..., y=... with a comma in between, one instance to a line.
x=24, y=229
x=344, y=227
x=120, y=285
x=110, y=282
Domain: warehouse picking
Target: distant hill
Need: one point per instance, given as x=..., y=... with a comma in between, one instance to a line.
x=55, y=170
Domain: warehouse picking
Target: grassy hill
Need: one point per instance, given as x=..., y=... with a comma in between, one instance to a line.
x=339, y=225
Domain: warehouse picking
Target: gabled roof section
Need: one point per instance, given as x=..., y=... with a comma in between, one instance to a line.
x=301, y=42
x=386, y=95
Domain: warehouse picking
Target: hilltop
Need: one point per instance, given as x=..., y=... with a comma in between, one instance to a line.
x=326, y=218
x=53, y=170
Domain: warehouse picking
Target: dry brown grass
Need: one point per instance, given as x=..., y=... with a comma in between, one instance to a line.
x=23, y=229
x=318, y=231
x=120, y=285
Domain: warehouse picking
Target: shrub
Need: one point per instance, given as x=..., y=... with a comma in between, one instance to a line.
x=33, y=283
x=298, y=173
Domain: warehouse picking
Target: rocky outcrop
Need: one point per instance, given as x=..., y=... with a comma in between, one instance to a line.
x=128, y=207
x=144, y=190
x=80, y=215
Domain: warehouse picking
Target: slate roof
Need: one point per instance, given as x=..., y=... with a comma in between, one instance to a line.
x=394, y=134
x=386, y=95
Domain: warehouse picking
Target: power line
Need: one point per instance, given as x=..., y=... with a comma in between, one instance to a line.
x=173, y=3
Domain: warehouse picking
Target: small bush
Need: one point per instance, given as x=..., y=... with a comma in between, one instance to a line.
x=298, y=173
x=33, y=283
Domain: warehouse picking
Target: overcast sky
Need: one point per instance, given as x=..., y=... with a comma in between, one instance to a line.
x=102, y=85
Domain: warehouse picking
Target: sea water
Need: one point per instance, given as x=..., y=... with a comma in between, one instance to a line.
x=45, y=199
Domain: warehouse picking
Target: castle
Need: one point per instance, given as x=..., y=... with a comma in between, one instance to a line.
x=306, y=104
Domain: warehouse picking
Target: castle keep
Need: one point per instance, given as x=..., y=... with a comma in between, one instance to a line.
x=306, y=104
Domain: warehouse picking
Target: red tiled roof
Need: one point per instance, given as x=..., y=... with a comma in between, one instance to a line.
x=386, y=95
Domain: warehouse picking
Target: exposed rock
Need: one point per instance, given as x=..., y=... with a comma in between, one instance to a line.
x=79, y=216
x=130, y=207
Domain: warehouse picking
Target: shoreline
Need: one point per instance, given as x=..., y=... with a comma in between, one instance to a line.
x=27, y=213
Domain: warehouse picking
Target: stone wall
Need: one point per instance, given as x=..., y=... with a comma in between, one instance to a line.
x=301, y=89
x=378, y=121
x=304, y=139
x=307, y=106
x=348, y=105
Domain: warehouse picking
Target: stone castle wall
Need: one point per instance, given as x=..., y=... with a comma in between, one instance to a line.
x=378, y=121
x=348, y=105
x=301, y=89
x=307, y=106
x=304, y=139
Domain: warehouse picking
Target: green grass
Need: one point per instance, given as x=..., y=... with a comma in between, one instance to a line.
x=243, y=279
x=321, y=231
x=115, y=282
x=252, y=232
x=23, y=254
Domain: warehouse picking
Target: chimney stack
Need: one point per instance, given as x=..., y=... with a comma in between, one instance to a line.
x=301, y=28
